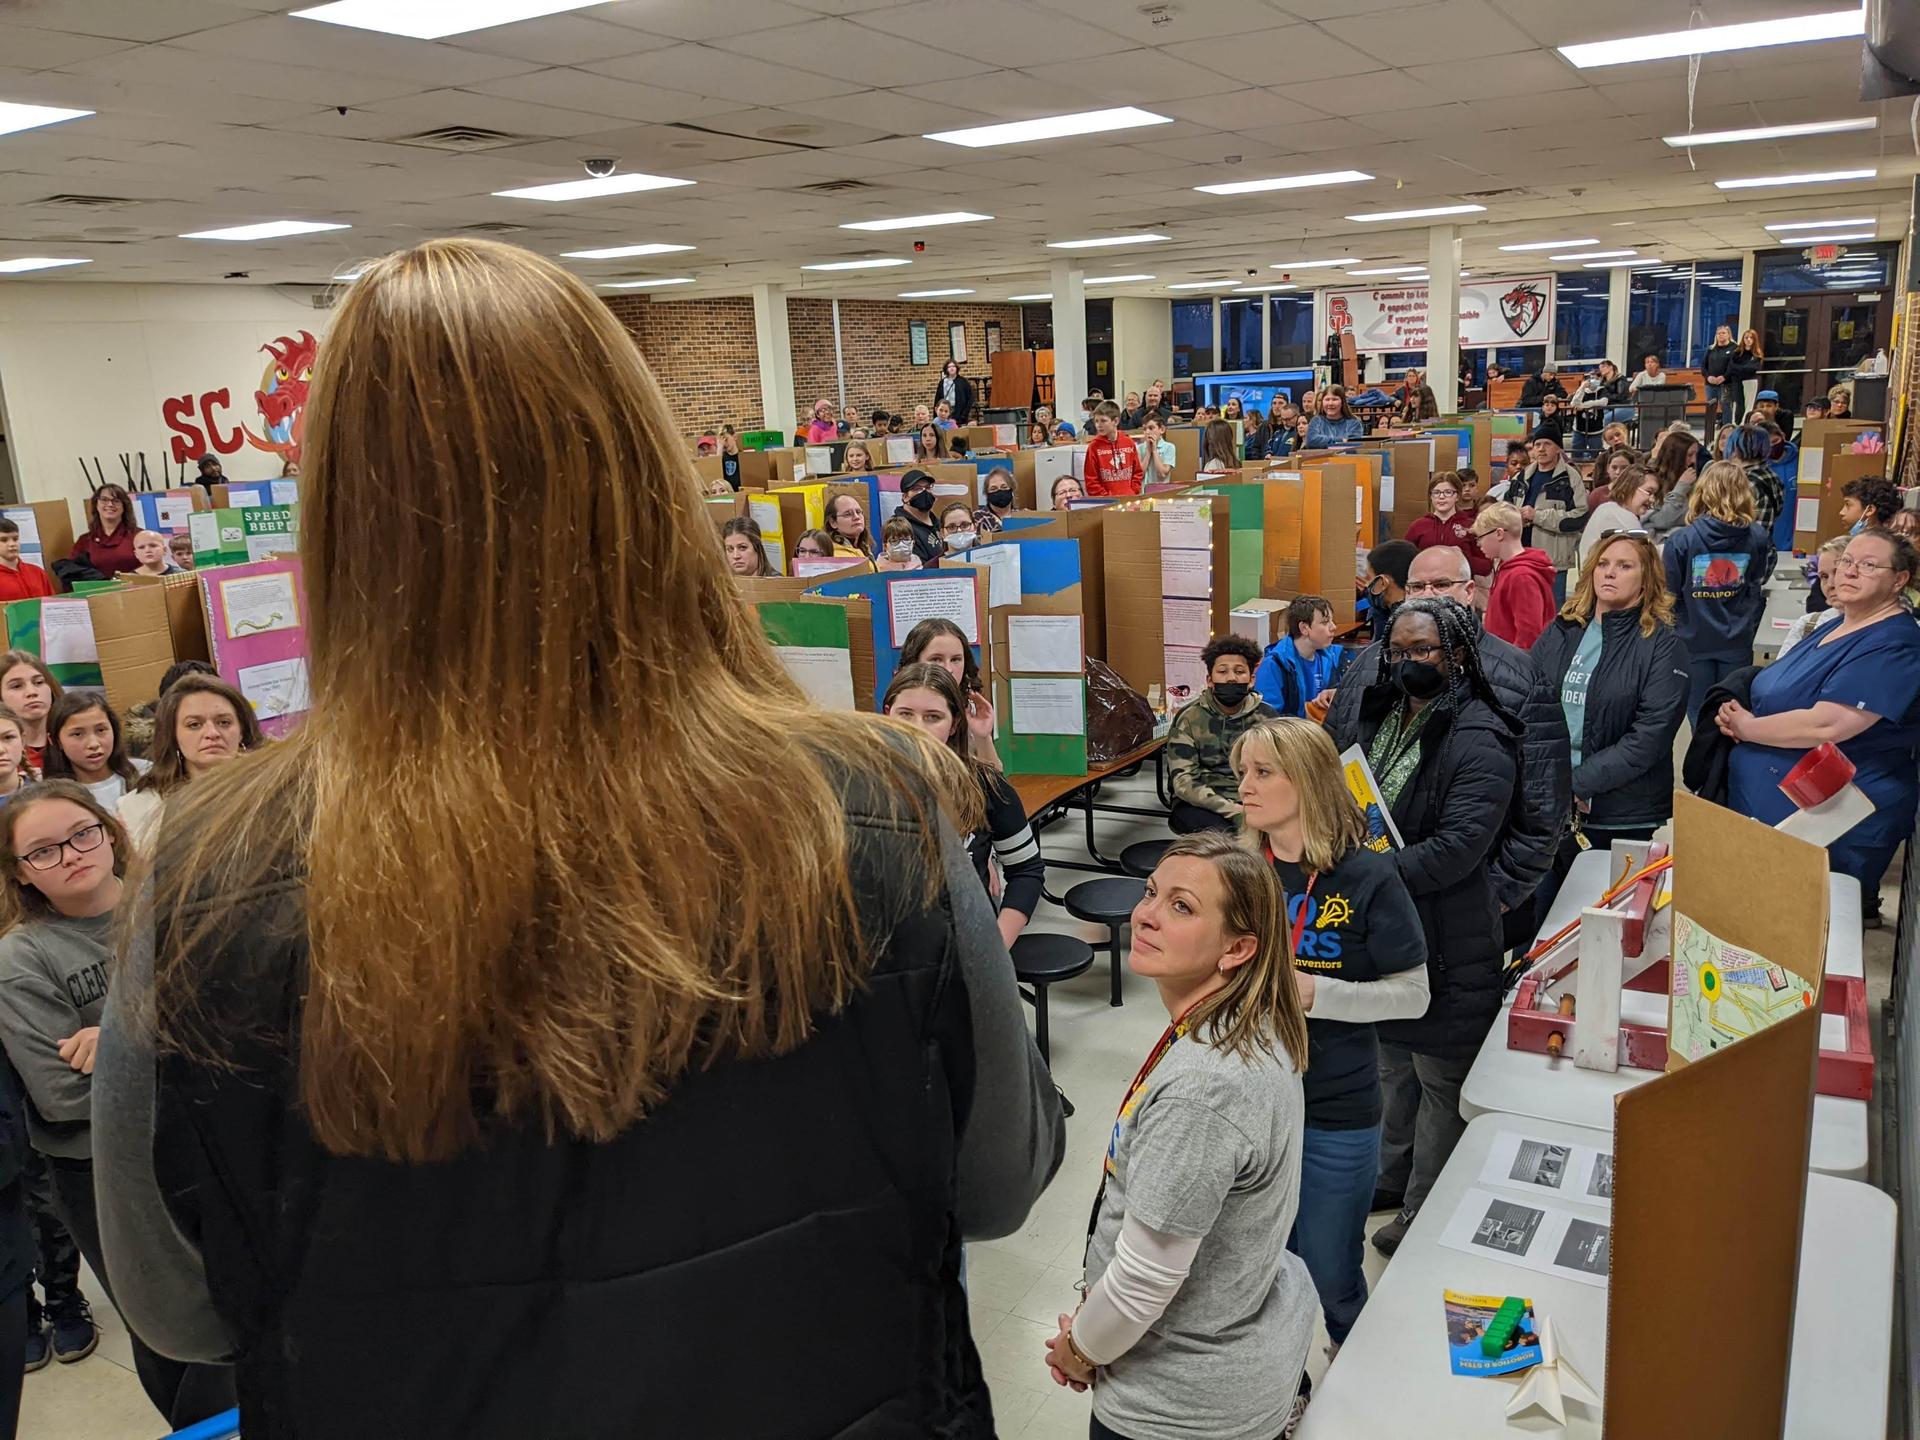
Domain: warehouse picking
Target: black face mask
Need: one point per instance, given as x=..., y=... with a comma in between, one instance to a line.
x=1418, y=680
x=999, y=499
x=923, y=502
x=1231, y=693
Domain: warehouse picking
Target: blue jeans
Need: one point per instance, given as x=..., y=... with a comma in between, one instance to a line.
x=1337, y=1173
x=1723, y=401
x=1703, y=673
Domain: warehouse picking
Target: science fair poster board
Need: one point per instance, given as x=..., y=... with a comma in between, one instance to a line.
x=167, y=511
x=46, y=532
x=814, y=642
x=234, y=537
x=257, y=634
x=59, y=629
x=900, y=600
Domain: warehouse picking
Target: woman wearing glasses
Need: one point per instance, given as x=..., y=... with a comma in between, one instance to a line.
x=1622, y=677
x=63, y=854
x=1855, y=682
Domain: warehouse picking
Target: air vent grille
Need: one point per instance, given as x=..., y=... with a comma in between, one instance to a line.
x=491, y=227
x=89, y=202
x=834, y=187
x=463, y=139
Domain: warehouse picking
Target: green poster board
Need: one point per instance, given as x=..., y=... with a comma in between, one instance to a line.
x=762, y=440
x=234, y=537
x=24, y=632
x=802, y=622
x=1041, y=754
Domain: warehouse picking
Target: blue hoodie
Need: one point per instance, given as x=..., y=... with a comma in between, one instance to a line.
x=1287, y=683
x=1717, y=573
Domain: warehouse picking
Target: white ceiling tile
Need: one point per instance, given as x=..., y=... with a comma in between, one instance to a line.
x=1467, y=30
x=1215, y=19
x=1278, y=57
x=707, y=71
x=1315, y=137
x=24, y=48
x=1240, y=110
x=1533, y=72
x=603, y=95
x=1333, y=9
x=1365, y=95
x=281, y=39
x=897, y=112
x=433, y=109
x=560, y=40
x=847, y=50
x=979, y=28
x=119, y=20
x=702, y=19
x=172, y=65
x=1140, y=76
x=1011, y=95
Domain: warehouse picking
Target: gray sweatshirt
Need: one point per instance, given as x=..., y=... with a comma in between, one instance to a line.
x=53, y=982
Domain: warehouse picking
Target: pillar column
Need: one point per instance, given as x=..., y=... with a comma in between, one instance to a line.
x=1619, y=321
x=1069, y=341
x=775, y=348
x=1443, y=316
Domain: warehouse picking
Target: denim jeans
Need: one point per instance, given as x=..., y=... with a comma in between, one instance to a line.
x=1337, y=1171
x=1703, y=673
x=1423, y=1121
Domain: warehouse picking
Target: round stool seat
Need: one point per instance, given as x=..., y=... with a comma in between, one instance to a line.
x=1049, y=959
x=1107, y=902
x=1140, y=857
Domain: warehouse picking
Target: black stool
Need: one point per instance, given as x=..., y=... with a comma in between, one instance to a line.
x=1043, y=960
x=1110, y=903
x=1139, y=858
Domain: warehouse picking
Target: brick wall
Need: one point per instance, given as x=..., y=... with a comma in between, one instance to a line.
x=704, y=356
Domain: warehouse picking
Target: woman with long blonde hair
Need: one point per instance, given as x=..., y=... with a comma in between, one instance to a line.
x=1359, y=957
x=1202, y=1175
x=491, y=995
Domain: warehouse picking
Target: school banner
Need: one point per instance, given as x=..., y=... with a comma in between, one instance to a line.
x=1492, y=312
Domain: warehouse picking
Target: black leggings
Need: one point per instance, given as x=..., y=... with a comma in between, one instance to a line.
x=184, y=1393
x=1188, y=819
x=13, y=1357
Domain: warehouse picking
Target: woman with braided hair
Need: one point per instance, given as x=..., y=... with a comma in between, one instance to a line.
x=1445, y=756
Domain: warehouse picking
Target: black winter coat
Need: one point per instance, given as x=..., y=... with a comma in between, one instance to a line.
x=1538, y=817
x=1721, y=360
x=963, y=399
x=1452, y=815
x=1705, y=767
x=796, y=1215
x=1635, y=702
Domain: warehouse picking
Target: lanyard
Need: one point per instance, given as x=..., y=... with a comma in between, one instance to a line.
x=1300, y=920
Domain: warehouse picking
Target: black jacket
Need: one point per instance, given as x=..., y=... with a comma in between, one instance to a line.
x=963, y=398
x=1709, y=753
x=1537, y=389
x=799, y=1213
x=1538, y=817
x=17, y=1254
x=1452, y=815
x=1721, y=360
x=1133, y=419
x=1635, y=702
x=928, y=544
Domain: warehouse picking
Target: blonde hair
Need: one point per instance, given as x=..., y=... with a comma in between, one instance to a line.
x=1331, y=825
x=1656, y=601
x=1258, y=1008
x=1724, y=492
x=540, y=896
x=846, y=456
x=1498, y=515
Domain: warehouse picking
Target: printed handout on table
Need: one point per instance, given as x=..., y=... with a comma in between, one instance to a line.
x=1574, y=1172
x=66, y=633
x=1002, y=562
x=1048, y=707
x=1532, y=1234
x=276, y=688
x=942, y=597
x=1186, y=574
x=260, y=603
x=1186, y=623
x=1046, y=642
x=824, y=672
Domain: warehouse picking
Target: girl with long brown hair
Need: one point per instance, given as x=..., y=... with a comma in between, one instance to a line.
x=1201, y=1180
x=28, y=689
x=201, y=722
x=745, y=547
x=497, y=993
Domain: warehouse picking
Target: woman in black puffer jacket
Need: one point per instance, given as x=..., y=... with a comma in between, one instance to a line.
x=1445, y=755
x=1621, y=673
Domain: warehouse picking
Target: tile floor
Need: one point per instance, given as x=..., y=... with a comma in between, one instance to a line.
x=1017, y=1285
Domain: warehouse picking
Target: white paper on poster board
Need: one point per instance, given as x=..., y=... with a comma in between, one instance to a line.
x=242, y=500
x=766, y=514
x=1549, y=1167
x=819, y=460
x=1186, y=574
x=204, y=528
x=1048, y=707
x=29, y=523
x=900, y=450
x=1046, y=642
x=806, y=566
x=1078, y=461
x=1186, y=676
x=824, y=672
x=1185, y=525
x=1359, y=504
x=1806, y=513
x=266, y=547
x=66, y=633
x=1386, y=493
x=1048, y=466
x=173, y=512
x=1002, y=563
x=1187, y=623
x=934, y=597
x=257, y=604
x=1813, y=466
x=286, y=492
x=1492, y=312
x=276, y=688
x=1005, y=437
x=1533, y=1234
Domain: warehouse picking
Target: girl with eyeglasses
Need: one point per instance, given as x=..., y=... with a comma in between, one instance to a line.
x=63, y=855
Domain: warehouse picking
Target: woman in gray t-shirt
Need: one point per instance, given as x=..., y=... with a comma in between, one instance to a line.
x=1197, y=1318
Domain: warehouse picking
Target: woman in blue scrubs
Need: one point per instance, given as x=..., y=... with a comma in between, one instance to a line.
x=1856, y=682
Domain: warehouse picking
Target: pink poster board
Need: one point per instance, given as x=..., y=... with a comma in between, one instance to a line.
x=257, y=633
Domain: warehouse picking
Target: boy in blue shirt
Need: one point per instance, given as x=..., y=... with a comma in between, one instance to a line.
x=1300, y=669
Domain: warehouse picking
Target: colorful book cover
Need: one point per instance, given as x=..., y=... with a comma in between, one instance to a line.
x=1467, y=1319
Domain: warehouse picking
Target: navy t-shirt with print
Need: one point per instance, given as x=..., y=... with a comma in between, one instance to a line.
x=1360, y=925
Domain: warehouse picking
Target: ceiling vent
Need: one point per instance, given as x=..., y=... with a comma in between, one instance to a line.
x=833, y=187
x=462, y=139
x=90, y=202
x=490, y=227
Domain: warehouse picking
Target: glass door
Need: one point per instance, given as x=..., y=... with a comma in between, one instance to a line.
x=1850, y=332
x=1787, y=338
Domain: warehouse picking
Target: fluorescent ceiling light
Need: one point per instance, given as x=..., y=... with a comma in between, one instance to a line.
x=1261, y=289
x=1104, y=242
x=15, y=117
x=1593, y=255
x=1621, y=264
x=1314, y=264
x=915, y=222
x=1844, y=235
x=1418, y=214
x=1050, y=127
x=1389, y=270
x=620, y=252
x=35, y=262
x=351, y=274
x=1115, y=279
x=856, y=264
x=1549, y=244
x=265, y=230
x=1770, y=132
x=1822, y=224
x=646, y=284
x=1816, y=177
x=930, y=294
x=1712, y=39
x=1205, y=285
x=431, y=19
x=1284, y=182
x=588, y=189
x=1029, y=297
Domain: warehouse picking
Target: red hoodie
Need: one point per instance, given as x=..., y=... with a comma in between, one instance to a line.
x=1522, y=603
x=1113, y=466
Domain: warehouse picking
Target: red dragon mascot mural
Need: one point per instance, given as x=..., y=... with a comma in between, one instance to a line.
x=282, y=396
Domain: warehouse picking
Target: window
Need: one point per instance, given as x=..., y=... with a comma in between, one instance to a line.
x=1293, y=337
x=1580, y=316
x=1242, y=340
x=1192, y=337
x=1657, y=317
x=1036, y=326
x=1790, y=272
x=1395, y=362
x=1716, y=302
x=1520, y=359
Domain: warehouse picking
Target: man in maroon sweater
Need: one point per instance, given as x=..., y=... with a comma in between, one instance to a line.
x=1522, y=603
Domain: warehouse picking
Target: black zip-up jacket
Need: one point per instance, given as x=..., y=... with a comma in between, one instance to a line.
x=1635, y=702
x=1720, y=360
